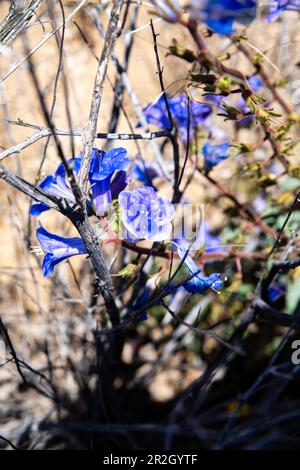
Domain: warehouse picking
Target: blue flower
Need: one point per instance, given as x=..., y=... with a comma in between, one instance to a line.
x=146, y=295
x=255, y=82
x=145, y=172
x=146, y=215
x=276, y=291
x=57, y=249
x=56, y=186
x=198, y=282
x=220, y=15
x=259, y=204
x=168, y=9
x=118, y=183
x=214, y=154
x=157, y=114
x=103, y=166
x=278, y=6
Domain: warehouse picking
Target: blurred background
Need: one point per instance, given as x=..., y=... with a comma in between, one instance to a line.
x=172, y=386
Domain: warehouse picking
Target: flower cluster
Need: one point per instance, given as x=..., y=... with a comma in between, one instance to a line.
x=103, y=167
x=185, y=116
x=142, y=213
x=195, y=116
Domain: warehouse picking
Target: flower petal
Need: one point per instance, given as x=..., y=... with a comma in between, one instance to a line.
x=58, y=249
x=146, y=215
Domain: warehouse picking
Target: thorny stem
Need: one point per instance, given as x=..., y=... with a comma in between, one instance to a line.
x=206, y=55
x=267, y=81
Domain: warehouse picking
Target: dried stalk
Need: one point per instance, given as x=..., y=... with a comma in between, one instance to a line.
x=20, y=13
x=89, y=132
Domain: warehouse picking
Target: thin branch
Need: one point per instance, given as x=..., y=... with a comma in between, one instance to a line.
x=173, y=128
x=78, y=214
x=45, y=132
x=267, y=313
x=14, y=67
x=89, y=132
x=69, y=172
x=202, y=331
x=8, y=442
x=119, y=85
x=12, y=350
x=288, y=216
x=206, y=56
x=20, y=13
x=136, y=104
x=83, y=226
x=267, y=81
x=36, y=193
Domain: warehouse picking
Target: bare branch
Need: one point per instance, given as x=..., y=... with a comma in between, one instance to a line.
x=28, y=189
x=45, y=132
x=90, y=129
x=14, y=67
x=20, y=13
